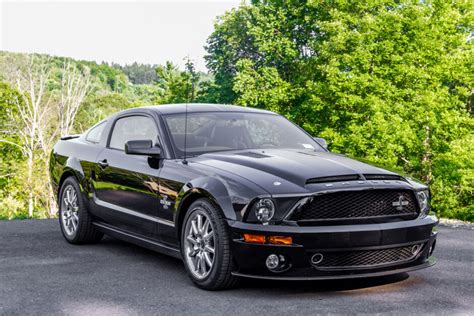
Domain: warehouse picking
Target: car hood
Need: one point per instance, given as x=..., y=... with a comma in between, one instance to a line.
x=286, y=171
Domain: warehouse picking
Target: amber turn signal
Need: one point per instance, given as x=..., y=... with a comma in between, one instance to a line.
x=256, y=239
x=280, y=240
x=261, y=239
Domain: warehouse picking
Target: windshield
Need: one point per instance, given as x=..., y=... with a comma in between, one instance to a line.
x=222, y=131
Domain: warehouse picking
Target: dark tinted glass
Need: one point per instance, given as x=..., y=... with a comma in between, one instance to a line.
x=221, y=131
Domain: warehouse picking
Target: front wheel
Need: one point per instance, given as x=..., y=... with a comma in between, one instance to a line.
x=205, y=246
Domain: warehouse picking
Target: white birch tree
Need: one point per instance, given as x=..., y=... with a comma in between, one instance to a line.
x=30, y=79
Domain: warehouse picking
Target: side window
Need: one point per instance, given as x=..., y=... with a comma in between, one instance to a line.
x=95, y=133
x=132, y=128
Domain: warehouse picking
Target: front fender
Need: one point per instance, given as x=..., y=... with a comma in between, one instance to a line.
x=212, y=188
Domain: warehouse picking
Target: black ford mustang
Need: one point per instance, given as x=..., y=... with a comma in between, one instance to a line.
x=238, y=192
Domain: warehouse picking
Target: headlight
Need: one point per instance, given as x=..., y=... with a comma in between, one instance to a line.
x=264, y=210
x=423, y=200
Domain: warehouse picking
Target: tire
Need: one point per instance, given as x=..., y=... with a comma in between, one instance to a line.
x=218, y=274
x=74, y=218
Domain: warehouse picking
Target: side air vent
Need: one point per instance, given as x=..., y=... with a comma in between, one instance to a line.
x=383, y=177
x=349, y=177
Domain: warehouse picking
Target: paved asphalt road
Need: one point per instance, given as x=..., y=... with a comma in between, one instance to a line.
x=41, y=274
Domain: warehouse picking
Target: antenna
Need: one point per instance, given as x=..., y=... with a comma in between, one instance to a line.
x=188, y=66
x=190, y=95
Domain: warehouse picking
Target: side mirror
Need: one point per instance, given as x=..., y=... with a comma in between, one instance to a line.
x=321, y=141
x=142, y=147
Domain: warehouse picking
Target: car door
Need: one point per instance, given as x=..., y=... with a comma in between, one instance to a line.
x=126, y=187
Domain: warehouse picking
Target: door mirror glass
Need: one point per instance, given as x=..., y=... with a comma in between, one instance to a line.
x=321, y=141
x=142, y=147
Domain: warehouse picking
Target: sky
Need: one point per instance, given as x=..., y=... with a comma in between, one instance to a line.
x=112, y=31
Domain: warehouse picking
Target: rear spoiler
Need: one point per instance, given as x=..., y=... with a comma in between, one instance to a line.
x=67, y=137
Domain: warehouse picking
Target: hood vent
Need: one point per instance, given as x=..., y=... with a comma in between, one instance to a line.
x=354, y=177
x=252, y=154
x=349, y=177
x=384, y=177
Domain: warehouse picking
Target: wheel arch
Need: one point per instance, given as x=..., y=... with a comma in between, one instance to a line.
x=66, y=174
x=210, y=188
x=73, y=168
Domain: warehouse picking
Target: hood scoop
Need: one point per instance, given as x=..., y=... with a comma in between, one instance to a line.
x=349, y=177
x=384, y=177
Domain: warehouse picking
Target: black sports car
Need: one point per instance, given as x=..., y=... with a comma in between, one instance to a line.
x=238, y=192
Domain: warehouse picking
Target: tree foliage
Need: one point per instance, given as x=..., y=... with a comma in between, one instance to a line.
x=10, y=156
x=387, y=81
x=138, y=74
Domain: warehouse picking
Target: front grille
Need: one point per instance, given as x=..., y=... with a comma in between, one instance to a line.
x=368, y=258
x=357, y=205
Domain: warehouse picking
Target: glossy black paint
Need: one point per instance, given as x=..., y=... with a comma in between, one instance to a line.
x=143, y=198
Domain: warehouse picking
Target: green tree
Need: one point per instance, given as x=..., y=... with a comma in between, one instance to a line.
x=138, y=73
x=98, y=107
x=12, y=186
x=177, y=86
x=387, y=81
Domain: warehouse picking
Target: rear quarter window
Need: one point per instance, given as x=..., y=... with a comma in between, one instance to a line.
x=95, y=133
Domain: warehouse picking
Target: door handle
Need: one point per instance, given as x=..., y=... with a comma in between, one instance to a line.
x=103, y=163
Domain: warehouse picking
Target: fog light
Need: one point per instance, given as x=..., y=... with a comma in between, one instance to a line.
x=317, y=258
x=272, y=262
x=415, y=249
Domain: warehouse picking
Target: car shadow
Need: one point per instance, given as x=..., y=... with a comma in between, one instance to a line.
x=174, y=266
x=323, y=285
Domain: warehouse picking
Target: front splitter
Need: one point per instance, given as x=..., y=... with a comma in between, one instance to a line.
x=430, y=262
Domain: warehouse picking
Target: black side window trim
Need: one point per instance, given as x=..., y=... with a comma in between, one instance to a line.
x=109, y=137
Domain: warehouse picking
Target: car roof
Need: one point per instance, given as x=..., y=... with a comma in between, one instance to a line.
x=199, y=107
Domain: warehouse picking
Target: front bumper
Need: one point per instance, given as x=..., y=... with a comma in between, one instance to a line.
x=307, y=241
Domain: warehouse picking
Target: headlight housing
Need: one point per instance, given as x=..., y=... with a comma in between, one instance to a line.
x=424, y=201
x=264, y=210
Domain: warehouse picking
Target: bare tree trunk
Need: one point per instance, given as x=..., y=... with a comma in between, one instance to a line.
x=29, y=182
x=74, y=88
x=41, y=121
x=30, y=80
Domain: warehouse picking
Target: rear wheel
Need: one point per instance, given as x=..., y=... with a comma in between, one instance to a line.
x=205, y=246
x=74, y=218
